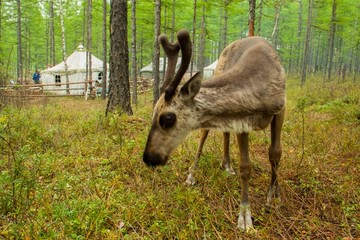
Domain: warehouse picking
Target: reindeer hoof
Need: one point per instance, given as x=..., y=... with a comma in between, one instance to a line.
x=228, y=168
x=273, y=199
x=190, y=181
x=244, y=221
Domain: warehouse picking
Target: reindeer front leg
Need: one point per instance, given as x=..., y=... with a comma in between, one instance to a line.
x=244, y=221
x=225, y=165
x=191, y=179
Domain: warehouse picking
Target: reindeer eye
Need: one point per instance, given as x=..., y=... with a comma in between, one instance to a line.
x=167, y=120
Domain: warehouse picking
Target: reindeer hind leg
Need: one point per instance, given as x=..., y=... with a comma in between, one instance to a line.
x=274, y=157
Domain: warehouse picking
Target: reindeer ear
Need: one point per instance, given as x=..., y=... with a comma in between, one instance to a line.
x=191, y=87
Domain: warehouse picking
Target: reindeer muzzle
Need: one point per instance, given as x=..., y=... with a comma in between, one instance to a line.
x=154, y=159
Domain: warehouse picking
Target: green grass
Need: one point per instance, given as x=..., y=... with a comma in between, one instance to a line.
x=68, y=172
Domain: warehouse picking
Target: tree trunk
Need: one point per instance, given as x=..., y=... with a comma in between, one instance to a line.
x=19, y=45
x=119, y=94
x=84, y=23
x=219, y=47
x=133, y=43
x=290, y=61
x=225, y=29
x=298, y=36
x=64, y=45
x=201, y=62
x=89, y=50
x=156, y=89
x=172, y=21
x=51, y=33
x=331, y=39
x=193, y=37
x=307, y=44
x=357, y=61
x=274, y=34
x=26, y=54
x=104, y=79
x=259, y=19
x=252, y=6
x=317, y=56
x=1, y=33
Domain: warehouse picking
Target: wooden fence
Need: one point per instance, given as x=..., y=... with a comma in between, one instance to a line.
x=38, y=90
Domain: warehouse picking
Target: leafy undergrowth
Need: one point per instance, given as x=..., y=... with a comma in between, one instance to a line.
x=69, y=172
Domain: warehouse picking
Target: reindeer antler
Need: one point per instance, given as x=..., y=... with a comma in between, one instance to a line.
x=172, y=52
x=184, y=43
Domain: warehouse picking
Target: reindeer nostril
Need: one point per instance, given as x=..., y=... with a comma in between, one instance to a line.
x=153, y=159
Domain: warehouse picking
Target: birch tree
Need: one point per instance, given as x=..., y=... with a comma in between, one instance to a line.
x=51, y=33
x=193, y=37
x=307, y=44
x=104, y=38
x=64, y=45
x=19, y=44
x=201, y=62
x=89, y=50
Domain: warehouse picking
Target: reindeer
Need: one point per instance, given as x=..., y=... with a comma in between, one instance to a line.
x=248, y=94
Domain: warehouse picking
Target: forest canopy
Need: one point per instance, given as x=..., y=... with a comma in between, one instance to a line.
x=329, y=28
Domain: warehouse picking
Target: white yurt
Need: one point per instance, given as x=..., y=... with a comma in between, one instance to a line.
x=209, y=70
x=147, y=71
x=76, y=68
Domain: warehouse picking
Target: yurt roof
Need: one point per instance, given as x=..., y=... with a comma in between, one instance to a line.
x=76, y=63
x=149, y=67
x=212, y=66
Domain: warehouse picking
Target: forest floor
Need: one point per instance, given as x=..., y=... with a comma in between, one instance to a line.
x=69, y=172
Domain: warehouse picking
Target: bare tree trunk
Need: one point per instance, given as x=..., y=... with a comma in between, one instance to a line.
x=1, y=60
x=259, y=18
x=352, y=49
x=64, y=45
x=331, y=39
x=133, y=43
x=193, y=36
x=298, y=36
x=51, y=32
x=119, y=92
x=220, y=46
x=27, y=54
x=357, y=62
x=252, y=6
x=84, y=24
x=89, y=48
x=307, y=44
x=156, y=75
x=19, y=45
x=173, y=21
x=225, y=29
x=290, y=62
x=276, y=23
x=104, y=79
x=201, y=62
x=317, y=56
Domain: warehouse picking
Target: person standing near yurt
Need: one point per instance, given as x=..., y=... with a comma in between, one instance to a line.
x=36, y=77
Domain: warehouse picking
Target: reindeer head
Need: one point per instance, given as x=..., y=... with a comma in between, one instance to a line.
x=174, y=113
